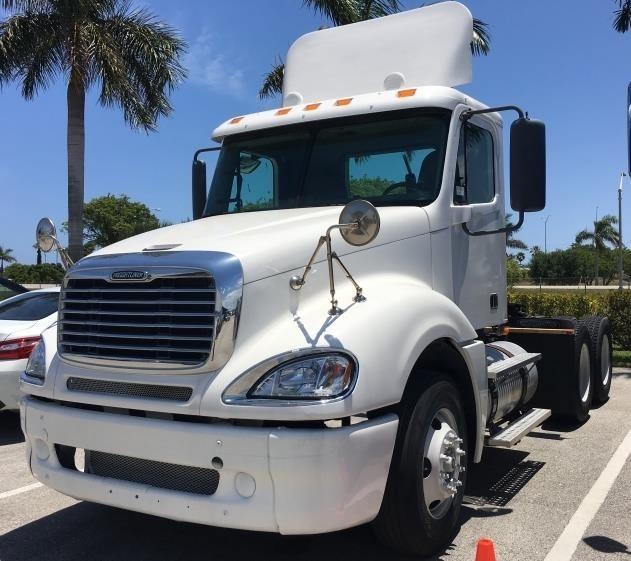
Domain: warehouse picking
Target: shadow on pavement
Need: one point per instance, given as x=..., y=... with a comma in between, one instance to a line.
x=89, y=532
x=606, y=545
x=496, y=481
x=10, y=431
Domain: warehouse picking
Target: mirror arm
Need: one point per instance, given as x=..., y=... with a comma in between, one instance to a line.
x=66, y=260
x=505, y=230
x=201, y=150
x=471, y=112
x=465, y=116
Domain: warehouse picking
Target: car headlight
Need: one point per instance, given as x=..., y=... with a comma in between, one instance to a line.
x=35, y=371
x=315, y=377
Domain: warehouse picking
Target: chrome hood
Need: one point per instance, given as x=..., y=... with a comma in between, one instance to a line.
x=267, y=242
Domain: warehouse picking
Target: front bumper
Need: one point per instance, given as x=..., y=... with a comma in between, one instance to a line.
x=306, y=481
x=10, y=371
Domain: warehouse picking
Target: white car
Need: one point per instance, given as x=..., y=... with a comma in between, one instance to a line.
x=22, y=320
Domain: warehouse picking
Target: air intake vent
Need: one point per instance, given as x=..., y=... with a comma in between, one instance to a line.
x=167, y=319
x=186, y=479
x=128, y=389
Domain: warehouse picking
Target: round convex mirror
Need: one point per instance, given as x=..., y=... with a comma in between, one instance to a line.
x=366, y=217
x=45, y=234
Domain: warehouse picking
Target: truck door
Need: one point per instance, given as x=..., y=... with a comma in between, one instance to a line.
x=479, y=262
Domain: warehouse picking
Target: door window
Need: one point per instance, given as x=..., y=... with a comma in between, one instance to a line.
x=475, y=170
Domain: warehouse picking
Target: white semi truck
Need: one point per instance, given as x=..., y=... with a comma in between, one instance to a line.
x=328, y=343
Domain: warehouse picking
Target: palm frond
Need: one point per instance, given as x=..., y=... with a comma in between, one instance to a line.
x=273, y=82
x=137, y=61
x=481, y=42
x=515, y=243
x=24, y=5
x=340, y=12
x=370, y=9
x=584, y=236
x=622, y=17
x=30, y=46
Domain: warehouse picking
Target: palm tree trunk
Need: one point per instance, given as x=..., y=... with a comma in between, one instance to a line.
x=76, y=158
x=597, y=264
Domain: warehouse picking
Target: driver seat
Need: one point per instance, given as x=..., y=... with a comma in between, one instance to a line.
x=428, y=177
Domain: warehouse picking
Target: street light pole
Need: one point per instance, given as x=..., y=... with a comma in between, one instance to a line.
x=545, y=234
x=620, y=270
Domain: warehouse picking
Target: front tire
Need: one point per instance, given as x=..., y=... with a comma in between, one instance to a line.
x=421, y=506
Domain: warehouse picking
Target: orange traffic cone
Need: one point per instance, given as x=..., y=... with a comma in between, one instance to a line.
x=485, y=550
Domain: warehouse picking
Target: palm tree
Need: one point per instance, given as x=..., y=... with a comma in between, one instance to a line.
x=622, y=16
x=511, y=241
x=603, y=233
x=343, y=12
x=132, y=57
x=5, y=255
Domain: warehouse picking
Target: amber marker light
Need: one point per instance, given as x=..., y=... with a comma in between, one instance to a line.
x=236, y=120
x=283, y=111
x=312, y=106
x=344, y=101
x=406, y=93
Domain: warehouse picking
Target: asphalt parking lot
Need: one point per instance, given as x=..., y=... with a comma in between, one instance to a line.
x=562, y=494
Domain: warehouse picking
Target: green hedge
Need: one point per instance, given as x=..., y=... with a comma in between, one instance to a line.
x=614, y=304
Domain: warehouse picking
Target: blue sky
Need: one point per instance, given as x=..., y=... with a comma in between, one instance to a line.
x=561, y=61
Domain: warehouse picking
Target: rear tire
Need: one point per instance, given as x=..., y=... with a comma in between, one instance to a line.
x=576, y=389
x=602, y=355
x=421, y=506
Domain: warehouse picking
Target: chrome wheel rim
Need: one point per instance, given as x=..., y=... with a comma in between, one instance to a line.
x=442, y=463
x=605, y=362
x=584, y=378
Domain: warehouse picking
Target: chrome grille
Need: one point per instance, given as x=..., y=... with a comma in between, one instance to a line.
x=129, y=389
x=186, y=479
x=166, y=319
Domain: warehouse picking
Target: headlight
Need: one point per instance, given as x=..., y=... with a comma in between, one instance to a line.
x=35, y=371
x=317, y=376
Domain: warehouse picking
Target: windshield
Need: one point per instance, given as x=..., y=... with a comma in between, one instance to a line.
x=29, y=306
x=387, y=158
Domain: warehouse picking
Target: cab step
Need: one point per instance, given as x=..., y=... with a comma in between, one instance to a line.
x=519, y=428
x=511, y=364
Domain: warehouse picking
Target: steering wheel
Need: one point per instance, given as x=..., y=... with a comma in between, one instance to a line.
x=393, y=187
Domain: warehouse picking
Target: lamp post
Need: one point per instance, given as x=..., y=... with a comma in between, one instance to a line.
x=620, y=270
x=545, y=234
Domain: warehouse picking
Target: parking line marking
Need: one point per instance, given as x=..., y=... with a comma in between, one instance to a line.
x=571, y=536
x=19, y=490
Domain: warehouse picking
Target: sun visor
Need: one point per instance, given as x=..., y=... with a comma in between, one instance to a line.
x=428, y=46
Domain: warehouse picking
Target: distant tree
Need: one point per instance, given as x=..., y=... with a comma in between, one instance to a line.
x=343, y=12
x=514, y=273
x=46, y=273
x=5, y=255
x=511, y=241
x=112, y=218
x=603, y=233
x=369, y=186
x=131, y=56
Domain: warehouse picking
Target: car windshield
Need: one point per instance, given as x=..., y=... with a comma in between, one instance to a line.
x=387, y=158
x=29, y=306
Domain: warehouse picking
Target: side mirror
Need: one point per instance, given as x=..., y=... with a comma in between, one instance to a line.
x=366, y=219
x=45, y=235
x=527, y=165
x=199, y=188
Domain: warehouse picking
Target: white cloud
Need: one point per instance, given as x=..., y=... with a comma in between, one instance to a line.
x=208, y=67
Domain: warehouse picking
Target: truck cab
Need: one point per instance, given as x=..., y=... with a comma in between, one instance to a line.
x=310, y=352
